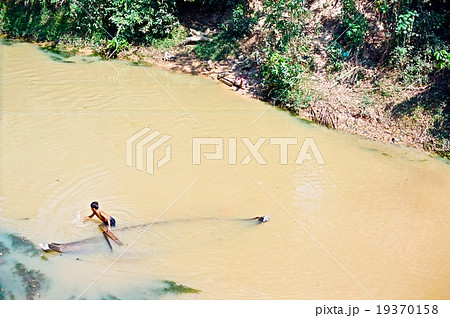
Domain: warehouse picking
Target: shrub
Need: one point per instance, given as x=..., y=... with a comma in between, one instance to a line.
x=354, y=24
x=284, y=21
x=335, y=57
x=136, y=21
x=240, y=23
x=281, y=77
x=442, y=59
x=225, y=43
x=404, y=27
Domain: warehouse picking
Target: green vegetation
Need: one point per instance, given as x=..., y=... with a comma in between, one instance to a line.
x=336, y=55
x=220, y=47
x=113, y=24
x=285, y=54
x=353, y=24
x=225, y=42
x=442, y=59
x=281, y=77
x=175, y=288
x=173, y=39
x=240, y=23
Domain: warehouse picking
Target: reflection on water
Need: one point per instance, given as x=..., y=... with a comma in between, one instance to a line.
x=372, y=222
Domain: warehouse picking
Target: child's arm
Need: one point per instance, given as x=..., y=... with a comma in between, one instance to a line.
x=108, y=218
x=88, y=217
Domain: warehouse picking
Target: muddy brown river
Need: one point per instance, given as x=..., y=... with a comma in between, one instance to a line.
x=350, y=218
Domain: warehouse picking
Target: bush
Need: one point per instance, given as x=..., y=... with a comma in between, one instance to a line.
x=284, y=21
x=225, y=43
x=442, y=59
x=240, y=23
x=419, y=34
x=218, y=48
x=354, y=24
x=133, y=21
x=281, y=77
x=404, y=28
x=335, y=54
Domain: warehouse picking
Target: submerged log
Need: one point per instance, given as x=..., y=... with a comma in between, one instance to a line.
x=225, y=80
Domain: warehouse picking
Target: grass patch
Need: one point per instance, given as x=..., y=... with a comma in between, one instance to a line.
x=175, y=38
x=175, y=288
x=220, y=47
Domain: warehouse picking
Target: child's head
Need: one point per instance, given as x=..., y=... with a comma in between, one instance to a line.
x=94, y=205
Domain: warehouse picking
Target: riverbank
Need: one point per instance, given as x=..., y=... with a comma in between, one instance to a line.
x=299, y=57
x=372, y=111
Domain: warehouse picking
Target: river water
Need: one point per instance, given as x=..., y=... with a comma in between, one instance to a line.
x=369, y=221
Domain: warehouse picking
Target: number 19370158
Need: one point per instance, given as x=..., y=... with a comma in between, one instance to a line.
x=407, y=309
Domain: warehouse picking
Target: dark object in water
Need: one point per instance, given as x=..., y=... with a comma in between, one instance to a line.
x=52, y=247
x=225, y=80
x=23, y=245
x=2, y=292
x=262, y=219
x=33, y=280
x=106, y=231
x=3, y=249
x=77, y=246
x=110, y=297
x=107, y=241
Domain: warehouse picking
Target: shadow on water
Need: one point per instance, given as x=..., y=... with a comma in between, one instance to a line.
x=377, y=151
x=8, y=41
x=307, y=122
x=58, y=55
